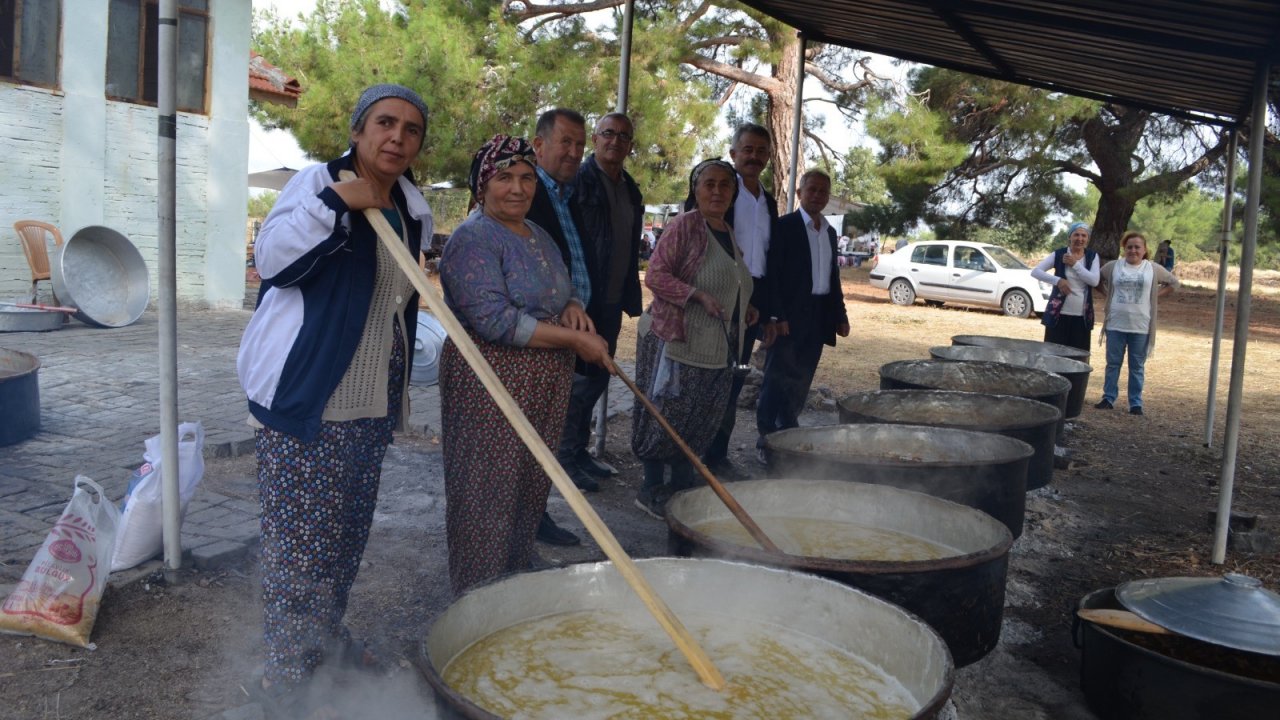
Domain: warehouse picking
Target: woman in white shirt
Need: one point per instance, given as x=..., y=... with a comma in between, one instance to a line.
x=1132, y=285
x=1073, y=273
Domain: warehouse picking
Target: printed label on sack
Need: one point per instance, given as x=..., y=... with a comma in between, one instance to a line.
x=56, y=586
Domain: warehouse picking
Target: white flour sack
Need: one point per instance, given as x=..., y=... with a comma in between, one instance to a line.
x=58, y=596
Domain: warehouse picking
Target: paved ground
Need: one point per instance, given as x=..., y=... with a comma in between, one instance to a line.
x=99, y=398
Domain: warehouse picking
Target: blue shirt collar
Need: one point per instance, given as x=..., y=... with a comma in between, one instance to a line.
x=562, y=192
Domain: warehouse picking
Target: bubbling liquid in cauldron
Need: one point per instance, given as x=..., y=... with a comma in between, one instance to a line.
x=593, y=664
x=832, y=539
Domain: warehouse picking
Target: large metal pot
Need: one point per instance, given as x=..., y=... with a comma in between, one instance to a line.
x=887, y=636
x=1138, y=676
x=1075, y=371
x=102, y=274
x=29, y=320
x=961, y=595
x=980, y=377
x=1030, y=421
x=978, y=469
x=1032, y=346
x=19, y=396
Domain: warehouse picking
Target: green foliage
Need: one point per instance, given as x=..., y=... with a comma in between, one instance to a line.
x=857, y=179
x=260, y=205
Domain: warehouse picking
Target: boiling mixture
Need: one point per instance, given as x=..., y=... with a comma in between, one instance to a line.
x=833, y=539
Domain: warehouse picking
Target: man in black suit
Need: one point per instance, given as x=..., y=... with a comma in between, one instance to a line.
x=610, y=214
x=751, y=215
x=560, y=138
x=807, y=302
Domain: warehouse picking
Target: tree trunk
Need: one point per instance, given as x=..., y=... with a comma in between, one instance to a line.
x=1115, y=210
x=782, y=103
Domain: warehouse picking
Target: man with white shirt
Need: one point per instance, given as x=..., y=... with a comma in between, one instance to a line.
x=807, y=302
x=751, y=215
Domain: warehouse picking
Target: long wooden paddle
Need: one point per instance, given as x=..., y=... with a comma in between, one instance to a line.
x=718, y=487
x=693, y=652
x=1121, y=620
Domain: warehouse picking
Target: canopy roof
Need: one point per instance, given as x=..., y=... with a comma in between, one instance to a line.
x=1193, y=58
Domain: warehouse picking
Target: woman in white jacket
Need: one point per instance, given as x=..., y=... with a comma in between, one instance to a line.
x=1133, y=285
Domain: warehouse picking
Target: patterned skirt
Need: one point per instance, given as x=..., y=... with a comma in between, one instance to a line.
x=495, y=490
x=694, y=412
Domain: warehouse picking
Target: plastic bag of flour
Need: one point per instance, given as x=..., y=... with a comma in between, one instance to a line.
x=141, y=535
x=58, y=596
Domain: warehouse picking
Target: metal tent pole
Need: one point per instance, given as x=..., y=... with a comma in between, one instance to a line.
x=1223, y=245
x=795, y=125
x=166, y=217
x=1231, y=439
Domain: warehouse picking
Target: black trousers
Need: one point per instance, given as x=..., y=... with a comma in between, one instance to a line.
x=719, y=448
x=589, y=383
x=1070, y=330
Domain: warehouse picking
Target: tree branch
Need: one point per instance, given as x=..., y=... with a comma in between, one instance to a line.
x=833, y=83
x=694, y=17
x=533, y=10
x=719, y=42
x=731, y=72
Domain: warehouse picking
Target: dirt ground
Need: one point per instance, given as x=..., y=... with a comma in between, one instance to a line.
x=1136, y=503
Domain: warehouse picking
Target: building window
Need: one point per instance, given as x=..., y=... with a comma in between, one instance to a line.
x=132, y=32
x=29, y=40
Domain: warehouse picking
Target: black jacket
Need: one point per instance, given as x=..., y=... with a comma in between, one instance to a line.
x=762, y=293
x=543, y=213
x=596, y=229
x=791, y=275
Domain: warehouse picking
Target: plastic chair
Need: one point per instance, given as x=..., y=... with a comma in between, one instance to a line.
x=32, y=235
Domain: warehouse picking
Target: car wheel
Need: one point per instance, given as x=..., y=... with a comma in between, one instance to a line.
x=1016, y=303
x=901, y=292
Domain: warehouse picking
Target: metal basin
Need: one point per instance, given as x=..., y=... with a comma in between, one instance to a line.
x=897, y=642
x=29, y=320
x=1075, y=371
x=19, y=396
x=1138, y=676
x=980, y=377
x=1030, y=421
x=978, y=469
x=102, y=274
x=1032, y=346
x=961, y=594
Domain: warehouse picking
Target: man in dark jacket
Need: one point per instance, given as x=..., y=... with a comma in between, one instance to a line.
x=807, y=302
x=752, y=215
x=559, y=140
x=611, y=220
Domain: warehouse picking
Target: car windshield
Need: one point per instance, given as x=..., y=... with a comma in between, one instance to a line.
x=1004, y=258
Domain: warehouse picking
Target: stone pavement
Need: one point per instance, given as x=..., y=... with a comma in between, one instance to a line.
x=99, y=398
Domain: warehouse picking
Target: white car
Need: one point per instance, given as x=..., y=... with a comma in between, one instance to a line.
x=942, y=271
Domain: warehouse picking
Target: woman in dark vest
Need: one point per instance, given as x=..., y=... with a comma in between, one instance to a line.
x=1069, y=317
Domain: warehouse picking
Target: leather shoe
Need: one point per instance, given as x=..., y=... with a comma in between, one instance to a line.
x=580, y=478
x=552, y=534
x=594, y=466
x=1104, y=404
x=1135, y=410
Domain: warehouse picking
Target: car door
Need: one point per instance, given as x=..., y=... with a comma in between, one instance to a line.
x=929, y=270
x=974, y=278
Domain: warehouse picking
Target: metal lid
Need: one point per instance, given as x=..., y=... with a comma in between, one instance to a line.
x=1233, y=611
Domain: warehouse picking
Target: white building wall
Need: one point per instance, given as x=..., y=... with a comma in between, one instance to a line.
x=83, y=160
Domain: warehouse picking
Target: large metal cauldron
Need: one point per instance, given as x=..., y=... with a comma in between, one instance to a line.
x=102, y=274
x=960, y=595
x=980, y=377
x=1124, y=678
x=1030, y=421
x=19, y=396
x=1075, y=371
x=978, y=469
x=887, y=636
x=1032, y=346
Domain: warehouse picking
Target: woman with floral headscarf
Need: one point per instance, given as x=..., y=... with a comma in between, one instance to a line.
x=1073, y=273
x=505, y=280
x=701, y=288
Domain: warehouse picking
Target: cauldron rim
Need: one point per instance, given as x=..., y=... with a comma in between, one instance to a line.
x=1046, y=348
x=1025, y=452
x=825, y=564
x=33, y=359
x=1071, y=366
x=1063, y=385
x=979, y=426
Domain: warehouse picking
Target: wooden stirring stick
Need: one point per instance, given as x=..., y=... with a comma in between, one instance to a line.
x=693, y=652
x=1120, y=620
x=718, y=487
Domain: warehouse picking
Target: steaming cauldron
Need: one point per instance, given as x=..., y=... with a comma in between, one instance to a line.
x=1075, y=371
x=978, y=469
x=959, y=592
x=19, y=396
x=700, y=592
x=980, y=377
x=1032, y=422
x=1031, y=346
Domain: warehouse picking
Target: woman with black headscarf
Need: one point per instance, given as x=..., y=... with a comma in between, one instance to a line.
x=323, y=364
x=504, y=278
x=701, y=291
